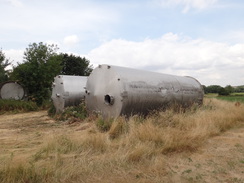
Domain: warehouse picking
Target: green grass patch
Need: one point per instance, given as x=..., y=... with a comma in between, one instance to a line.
x=16, y=106
x=237, y=94
x=211, y=95
x=232, y=98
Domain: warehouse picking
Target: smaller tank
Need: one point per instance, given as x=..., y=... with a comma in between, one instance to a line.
x=68, y=91
x=12, y=90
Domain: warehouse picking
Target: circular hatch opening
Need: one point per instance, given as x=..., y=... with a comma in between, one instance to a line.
x=109, y=100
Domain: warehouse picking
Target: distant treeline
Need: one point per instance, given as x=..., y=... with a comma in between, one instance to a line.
x=223, y=90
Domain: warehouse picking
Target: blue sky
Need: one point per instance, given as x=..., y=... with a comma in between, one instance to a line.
x=200, y=38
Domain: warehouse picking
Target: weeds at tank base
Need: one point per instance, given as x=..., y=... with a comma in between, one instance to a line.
x=104, y=124
x=72, y=114
x=130, y=150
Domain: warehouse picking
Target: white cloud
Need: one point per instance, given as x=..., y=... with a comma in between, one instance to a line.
x=15, y=3
x=234, y=36
x=38, y=21
x=71, y=40
x=188, y=4
x=210, y=62
x=14, y=56
x=57, y=17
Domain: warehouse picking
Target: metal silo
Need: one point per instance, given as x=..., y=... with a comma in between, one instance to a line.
x=12, y=90
x=114, y=91
x=68, y=91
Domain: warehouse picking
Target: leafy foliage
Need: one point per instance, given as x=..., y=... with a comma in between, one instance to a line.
x=229, y=89
x=3, y=64
x=223, y=91
x=212, y=89
x=239, y=89
x=75, y=65
x=218, y=89
x=41, y=65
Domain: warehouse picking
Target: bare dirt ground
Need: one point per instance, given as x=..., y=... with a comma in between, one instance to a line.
x=221, y=159
x=21, y=134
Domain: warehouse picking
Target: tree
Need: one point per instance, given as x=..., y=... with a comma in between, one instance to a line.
x=213, y=89
x=75, y=65
x=218, y=89
x=239, y=89
x=41, y=64
x=229, y=89
x=204, y=89
x=223, y=91
x=3, y=64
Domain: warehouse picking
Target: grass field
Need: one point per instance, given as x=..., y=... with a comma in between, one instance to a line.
x=234, y=97
x=203, y=144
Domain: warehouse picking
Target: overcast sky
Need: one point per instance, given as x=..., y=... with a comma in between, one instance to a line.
x=199, y=38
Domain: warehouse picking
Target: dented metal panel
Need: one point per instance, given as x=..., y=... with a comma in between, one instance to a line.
x=114, y=91
x=68, y=91
x=12, y=90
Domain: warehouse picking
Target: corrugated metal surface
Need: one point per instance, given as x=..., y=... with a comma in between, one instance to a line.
x=12, y=90
x=114, y=91
x=68, y=91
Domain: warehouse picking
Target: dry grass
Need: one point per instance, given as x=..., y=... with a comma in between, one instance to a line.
x=134, y=150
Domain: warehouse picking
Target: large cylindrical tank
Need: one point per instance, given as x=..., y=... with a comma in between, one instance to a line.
x=114, y=91
x=12, y=90
x=68, y=91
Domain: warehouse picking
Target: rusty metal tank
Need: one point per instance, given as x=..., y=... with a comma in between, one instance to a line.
x=114, y=91
x=12, y=90
x=68, y=91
